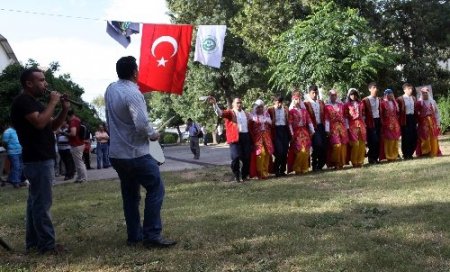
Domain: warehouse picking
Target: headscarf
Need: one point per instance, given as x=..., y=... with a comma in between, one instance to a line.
x=296, y=94
x=332, y=92
x=429, y=91
x=388, y=92
x=256, y=104
x=350, y=91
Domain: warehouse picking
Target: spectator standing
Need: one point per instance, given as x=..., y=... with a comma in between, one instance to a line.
x=14, y=150
x=194, y=131
x=77, y=147
x=87, y=153
x=102, y=138
x=35, y=125
x=64, y=151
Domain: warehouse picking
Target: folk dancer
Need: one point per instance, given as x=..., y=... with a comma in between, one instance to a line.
x=373, y=123
x=408, y=121
x=428, y=124
x=302, y=129
x=260, y=130
x=316, y=110
x=390, y=127
x=236, y=124
x=281, y=134
x=336, y=129
x=354, y=115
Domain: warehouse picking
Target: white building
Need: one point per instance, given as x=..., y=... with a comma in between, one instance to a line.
x=7, y=55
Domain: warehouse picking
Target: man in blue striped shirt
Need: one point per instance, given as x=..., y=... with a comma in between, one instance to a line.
x=130, y=131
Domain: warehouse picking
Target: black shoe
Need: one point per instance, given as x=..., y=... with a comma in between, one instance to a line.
x=16, y=185
x=57, y=250
x=160, y=243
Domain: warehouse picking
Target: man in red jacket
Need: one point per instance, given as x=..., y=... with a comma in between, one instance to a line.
x=236, y=124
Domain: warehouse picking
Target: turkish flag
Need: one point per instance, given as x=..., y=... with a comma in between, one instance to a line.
x=164, y=57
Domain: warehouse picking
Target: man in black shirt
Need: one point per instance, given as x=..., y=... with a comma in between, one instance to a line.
x=35, y=124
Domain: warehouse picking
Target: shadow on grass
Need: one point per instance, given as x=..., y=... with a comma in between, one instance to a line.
x=313, y=222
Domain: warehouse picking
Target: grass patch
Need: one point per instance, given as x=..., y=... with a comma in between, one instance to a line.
x=389, y=217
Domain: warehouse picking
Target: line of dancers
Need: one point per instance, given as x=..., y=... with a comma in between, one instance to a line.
x=312, y=134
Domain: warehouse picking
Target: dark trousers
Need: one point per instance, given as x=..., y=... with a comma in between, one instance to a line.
x=319, y=145
x=281, y=144
x=67, y=159
x=40, y=233
x=409, y=137
x=132, y=174
x=373, y=141
x=87, y=159
x=241, y=151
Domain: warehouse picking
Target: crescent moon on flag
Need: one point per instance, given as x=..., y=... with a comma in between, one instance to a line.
x=168, y=39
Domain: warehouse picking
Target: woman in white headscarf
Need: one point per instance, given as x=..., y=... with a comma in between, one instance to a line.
x=354, y=114
x=260, y=130
x=336, y=129
x=428, y=124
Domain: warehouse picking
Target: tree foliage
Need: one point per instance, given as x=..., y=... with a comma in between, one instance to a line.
x=418, y=32
x=332, y=47
x=10, y=87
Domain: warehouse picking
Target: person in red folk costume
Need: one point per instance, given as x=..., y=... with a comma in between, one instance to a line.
x=302, y=130
x=336, y=130
x=428, y=124
x=354, y=115
x=260, y=126
x=390, y=127
x=236, y=123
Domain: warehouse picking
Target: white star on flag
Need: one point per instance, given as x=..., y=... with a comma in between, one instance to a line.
x=162, y=62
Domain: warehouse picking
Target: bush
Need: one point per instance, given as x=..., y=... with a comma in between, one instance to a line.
x=444, y=111
x=169, y=138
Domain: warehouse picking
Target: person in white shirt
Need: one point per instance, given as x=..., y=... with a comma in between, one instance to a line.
x=316, y=110
x=373, y=123
x=408, y=121
x=280, y=134
x=238, y=137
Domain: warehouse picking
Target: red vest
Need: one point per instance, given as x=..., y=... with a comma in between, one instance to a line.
x=271, y=111
x=310, y=110
x=231, y=125
x=402, y=109
x=368, y=111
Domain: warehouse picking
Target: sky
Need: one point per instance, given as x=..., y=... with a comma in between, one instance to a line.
x=81, y=46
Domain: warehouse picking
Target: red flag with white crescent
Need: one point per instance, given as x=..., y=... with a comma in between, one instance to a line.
x=164, y=57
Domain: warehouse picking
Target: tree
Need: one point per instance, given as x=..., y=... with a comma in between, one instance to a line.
x=333, y=47
x=417, y=30
x=259, y=22
x=99, y=104
x=10, y=87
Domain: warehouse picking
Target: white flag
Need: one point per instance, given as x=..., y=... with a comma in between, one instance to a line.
x=209, y=44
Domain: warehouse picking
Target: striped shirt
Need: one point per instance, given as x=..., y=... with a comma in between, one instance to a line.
x=127, y=117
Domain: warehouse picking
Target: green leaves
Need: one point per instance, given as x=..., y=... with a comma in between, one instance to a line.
x=333, y=46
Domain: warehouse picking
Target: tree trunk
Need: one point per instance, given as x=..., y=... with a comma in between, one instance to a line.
x=180, y=135
x=214, y=136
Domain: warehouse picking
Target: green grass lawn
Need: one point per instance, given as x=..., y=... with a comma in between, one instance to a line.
x=388, y=217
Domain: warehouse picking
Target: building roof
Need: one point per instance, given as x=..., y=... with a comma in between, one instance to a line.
x=9, y=52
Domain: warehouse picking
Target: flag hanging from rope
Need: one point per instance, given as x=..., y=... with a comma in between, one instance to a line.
x=209, y=44
x=164, y=57
x=121, y=31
